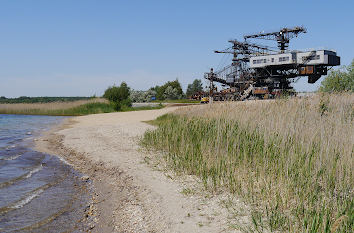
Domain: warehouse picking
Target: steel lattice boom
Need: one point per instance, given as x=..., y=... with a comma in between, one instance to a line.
x=282, y=36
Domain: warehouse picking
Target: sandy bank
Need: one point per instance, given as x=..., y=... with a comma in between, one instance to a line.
x=132, y=195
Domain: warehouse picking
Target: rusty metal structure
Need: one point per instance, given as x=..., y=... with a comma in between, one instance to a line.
x=198, y=95
x=259, y=71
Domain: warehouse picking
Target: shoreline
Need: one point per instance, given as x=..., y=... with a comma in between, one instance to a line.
x=130, y=192
x=40, y=178
x=51, y=143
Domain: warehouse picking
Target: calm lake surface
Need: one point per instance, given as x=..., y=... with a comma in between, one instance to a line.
x=38, y=192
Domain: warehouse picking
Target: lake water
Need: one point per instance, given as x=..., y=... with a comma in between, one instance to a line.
x=38, y=192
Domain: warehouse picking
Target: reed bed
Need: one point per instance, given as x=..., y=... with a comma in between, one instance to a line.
x=81, y=107
x=74, y=108
x=290, y=159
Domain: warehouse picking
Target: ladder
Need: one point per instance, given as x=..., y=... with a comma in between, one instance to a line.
x=246, y=92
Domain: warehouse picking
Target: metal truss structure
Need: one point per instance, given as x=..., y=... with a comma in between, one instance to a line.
x=278, y=68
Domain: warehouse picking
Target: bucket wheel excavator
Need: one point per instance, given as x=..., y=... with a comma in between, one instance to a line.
x=258, y=71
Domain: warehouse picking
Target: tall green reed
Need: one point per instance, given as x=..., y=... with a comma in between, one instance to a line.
x=297, y=186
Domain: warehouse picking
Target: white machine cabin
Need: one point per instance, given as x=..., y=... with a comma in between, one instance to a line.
x=316, y=57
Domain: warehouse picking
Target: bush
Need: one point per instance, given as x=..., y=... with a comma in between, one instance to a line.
x=118, y=96
x=138, y=96
x=339, y=80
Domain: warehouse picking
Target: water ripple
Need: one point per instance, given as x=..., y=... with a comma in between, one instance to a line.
x=22, y=177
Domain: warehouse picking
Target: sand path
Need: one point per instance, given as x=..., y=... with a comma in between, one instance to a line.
x=131, y=195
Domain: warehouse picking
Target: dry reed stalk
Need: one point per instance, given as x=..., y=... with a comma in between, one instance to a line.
x=299, y=119
x=292, y=158
x=48, y=106
x=56, y=108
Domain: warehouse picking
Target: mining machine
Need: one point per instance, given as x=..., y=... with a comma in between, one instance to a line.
x=259, y=71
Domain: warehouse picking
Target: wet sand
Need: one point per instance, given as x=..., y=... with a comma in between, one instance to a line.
x=131, y=194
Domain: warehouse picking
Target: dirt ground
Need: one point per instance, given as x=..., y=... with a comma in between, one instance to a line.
x=132, y=193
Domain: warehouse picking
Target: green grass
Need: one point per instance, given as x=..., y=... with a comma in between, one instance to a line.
x=181, y=101
x=127, y=109
x=84, y=109
x=282, y=181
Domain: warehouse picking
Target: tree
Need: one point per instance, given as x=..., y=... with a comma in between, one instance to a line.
x=171, y=93
x=160, y=90
x=118, y=96
x=176, y=85
x=196, y=86
x=339, y=80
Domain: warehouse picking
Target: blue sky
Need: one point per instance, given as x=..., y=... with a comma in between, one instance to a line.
x=78, y=48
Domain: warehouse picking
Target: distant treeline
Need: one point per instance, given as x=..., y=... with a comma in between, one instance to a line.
x=26, y=99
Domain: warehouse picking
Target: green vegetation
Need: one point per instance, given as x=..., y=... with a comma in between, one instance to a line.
x=291, y=160
x=117, y=99
x=339, y=80
x=128, y=109
x=195, y=87
x=76, y=108
x=25, y=99
x=85, y=109
x=178, y=101
x=118, y=96
x=142, y=96
x=48, y=109
x=171, y=90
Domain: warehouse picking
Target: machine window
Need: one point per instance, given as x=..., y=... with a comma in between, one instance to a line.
x=283, y=58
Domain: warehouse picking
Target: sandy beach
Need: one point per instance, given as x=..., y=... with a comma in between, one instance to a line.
x=132, y=194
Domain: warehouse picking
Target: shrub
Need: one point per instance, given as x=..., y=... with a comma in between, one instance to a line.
x=339, y=80
x=138, y=96
x=118, y=96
